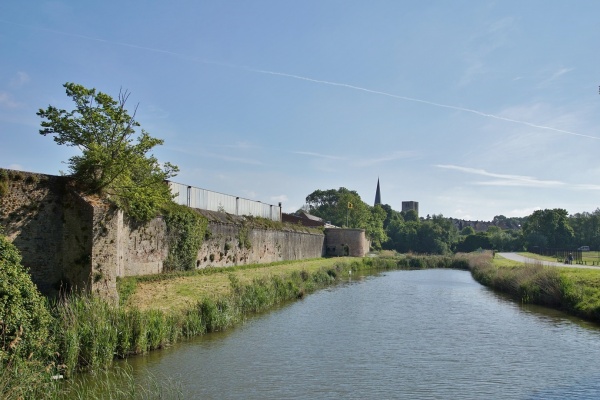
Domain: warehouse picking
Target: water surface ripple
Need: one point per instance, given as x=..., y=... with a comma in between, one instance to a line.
x=431, y=334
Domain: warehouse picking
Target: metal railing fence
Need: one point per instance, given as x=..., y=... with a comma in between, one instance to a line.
x=213, y=201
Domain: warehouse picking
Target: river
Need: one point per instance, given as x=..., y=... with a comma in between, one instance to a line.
x=427, y=334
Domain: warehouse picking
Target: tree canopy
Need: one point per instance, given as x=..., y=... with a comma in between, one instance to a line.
x=114, y=158
x=343, y=207
x=549, y=228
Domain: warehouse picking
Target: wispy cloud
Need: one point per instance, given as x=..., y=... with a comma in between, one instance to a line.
x=240, y=160
x=555, y=75
x=157, y=112
x=494, y=36
x=518, y=180
x=240, y=145
x=504, y=179
x=497, y=30
x=7, y=101
x=396, y=155
x=19, y=80
x=319, y=155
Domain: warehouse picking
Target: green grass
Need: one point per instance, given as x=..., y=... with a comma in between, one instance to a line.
x=573, y=290
x=90, y=333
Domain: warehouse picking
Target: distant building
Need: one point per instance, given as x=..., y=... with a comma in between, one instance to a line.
x=377, y=194
x=410, y=205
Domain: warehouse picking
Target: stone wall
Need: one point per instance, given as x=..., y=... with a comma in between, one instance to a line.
x=237, y=243
x=44, y=223
x=71, y=242
x=346, y=242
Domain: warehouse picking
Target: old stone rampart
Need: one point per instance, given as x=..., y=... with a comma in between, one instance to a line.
x=234, y=240
x=346, y=242
x=72, y=242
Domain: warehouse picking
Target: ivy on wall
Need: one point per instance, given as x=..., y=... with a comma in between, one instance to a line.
x=186, y=229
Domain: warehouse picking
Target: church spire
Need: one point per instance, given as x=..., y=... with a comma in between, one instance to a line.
x=378, y=194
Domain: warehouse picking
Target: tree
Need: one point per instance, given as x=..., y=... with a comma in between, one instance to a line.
x=114, y=158
x=474, y=242
x=374, y=228
x=467, y=230
x=551, y=225
x=345, y=208
x=411, y=215
x=587, y=228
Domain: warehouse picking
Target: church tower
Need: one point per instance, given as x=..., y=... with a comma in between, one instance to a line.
x=378, y=194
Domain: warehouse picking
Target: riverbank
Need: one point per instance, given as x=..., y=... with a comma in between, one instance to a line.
x=160, y=310
x=88, y=333
x=575, y=291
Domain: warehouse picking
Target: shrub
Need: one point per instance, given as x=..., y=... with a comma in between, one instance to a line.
x=185, y=228
x=24, y=317
x=3, y=188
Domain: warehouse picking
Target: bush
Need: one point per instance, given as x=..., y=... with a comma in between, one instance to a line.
x=3, y=188
x=24, y=317
x=185, y=228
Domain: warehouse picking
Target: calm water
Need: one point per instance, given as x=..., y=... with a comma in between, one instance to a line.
x=433, y=334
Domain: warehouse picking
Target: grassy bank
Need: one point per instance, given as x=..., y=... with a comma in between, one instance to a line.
x=573, y=290
x=89, y=334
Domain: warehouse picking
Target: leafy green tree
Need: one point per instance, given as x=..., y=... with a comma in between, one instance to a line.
x=467, y=230
x=435, y=236
x=374, y=227
x=391, y=215
x=343, y=207
x=114, y=158
x=586, y=227
x=411, y=215
x=474, y=242
x=403, y=236
x=549, y=227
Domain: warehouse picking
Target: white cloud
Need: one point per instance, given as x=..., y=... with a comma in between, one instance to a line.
x=240, y=146
x=521, y=212
x=157, y=112
x=18, y=167
x=396, y=155
x=518, y=180
x=198, y=153
x=504, y=179
x=555, y=75
x=19, y=80
x=319, y=155
x=7, y=101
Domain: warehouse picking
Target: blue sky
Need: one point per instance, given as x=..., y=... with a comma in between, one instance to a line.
x=472, y=108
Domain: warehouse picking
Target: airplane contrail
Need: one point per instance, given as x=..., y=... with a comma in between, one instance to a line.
x=469, y=110
x=313, y=80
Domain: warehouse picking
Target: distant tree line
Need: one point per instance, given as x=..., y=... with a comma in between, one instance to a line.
x=406, y=232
